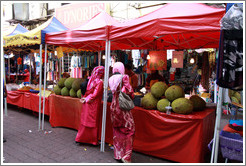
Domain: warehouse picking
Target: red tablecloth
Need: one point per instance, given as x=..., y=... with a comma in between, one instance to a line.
x=176, y=137
x=15, y=98
x=27, y=100
x=64, y=111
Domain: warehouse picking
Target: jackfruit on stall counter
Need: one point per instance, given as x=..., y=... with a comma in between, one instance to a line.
x=238, y=96
x=61, y=82
x=235, y=100
x=72, y=93
x=174, y=92
x=79, y=93
x=162, y=104
x=198, y=103
x=57, y=90
x=68, y=83
x=76, y=84
x=65, y=91
x=158, y=89
x=149, y=101
x=182, y=106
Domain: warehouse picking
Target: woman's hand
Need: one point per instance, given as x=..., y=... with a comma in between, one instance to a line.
x=82, y=100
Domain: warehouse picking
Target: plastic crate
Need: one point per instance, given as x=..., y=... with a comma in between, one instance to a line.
x=231, y=148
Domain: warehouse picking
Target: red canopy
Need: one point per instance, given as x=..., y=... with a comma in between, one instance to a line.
x=174, y=26
x=91, y=35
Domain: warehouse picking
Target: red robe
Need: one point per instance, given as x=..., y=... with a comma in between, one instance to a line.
x=123, y=124
x=88, y=130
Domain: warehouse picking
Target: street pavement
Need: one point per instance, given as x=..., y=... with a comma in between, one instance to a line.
x=25, y=144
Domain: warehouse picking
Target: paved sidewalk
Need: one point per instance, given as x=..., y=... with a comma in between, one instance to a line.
x=25, y=144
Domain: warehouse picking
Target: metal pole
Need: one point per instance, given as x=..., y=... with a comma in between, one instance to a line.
x=30, y=70
x=99, y=57
x=59, y=68
x=40, y=87
x=8, y=67
x=5, y=81
x=104, y=100
x=45, y=64
x=106, y=74
x=214, y=155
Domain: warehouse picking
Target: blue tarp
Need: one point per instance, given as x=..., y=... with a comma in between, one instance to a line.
x=18, y=30
x=54, y=26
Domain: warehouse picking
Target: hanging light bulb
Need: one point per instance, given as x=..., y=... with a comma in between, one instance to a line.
x=35, y=54
x=103, y=57
x=55, y=52
x=192, y=60
x=148, y=57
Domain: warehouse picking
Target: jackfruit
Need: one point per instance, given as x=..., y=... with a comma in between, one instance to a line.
x=198, y=103
x=238, y=96
x=235, y=100
x=68, y=83
x=57, y=90
x=76, y=84
x=174, y=92
x=162, y=104
x=79, y=93
x=149, y=101
x=72, y=93
x=158, y=89
x=61, y=82
x=182, y=106
x=65, y=91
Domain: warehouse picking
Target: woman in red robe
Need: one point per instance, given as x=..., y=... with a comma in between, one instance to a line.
x=88, y=130
x=122, y=120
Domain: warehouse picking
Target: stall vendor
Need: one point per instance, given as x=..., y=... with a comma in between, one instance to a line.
x=27, y=75
x=154, y=77
x=133, y=78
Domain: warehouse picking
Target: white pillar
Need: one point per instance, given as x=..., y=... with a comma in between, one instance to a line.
x=30, y=69
x=4, y=76
x=106, y=75
x=40, y=86
x=45, y=64
x=215, y=148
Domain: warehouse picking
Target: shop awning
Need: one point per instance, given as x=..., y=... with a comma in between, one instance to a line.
x=89, y=36
x=35, y=36
x=173, y=26
x=17, y=29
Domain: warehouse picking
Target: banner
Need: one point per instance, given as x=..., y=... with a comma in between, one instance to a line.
x=177, y=59
x=158, y=60
x=74, y=15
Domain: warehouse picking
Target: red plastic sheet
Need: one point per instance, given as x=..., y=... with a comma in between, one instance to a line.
x=27, y=100
x=15, y=98
x=176, y=137
x=64, y=111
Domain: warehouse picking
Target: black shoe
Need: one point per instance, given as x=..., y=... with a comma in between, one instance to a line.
x=77, y=143
x=4, y=140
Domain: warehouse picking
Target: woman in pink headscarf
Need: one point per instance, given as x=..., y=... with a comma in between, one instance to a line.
x=122, y=120
x=88, y=131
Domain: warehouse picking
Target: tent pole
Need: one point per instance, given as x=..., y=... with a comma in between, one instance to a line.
x=40, y=87
x=8, y=67
x=105, y=94
x=45, y=64
x=99, y=57
x=30, y=70
x=5, y=82
x=214, y=155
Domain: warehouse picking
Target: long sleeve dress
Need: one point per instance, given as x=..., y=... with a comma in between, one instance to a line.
x=88, y=130
x=123, y=124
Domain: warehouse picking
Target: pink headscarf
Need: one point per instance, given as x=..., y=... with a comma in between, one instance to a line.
x=95, y=77
x=115, y=80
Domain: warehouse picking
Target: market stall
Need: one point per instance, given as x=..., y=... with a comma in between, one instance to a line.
x=31, y=40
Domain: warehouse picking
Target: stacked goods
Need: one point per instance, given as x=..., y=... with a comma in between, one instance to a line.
x=69, y=87
x=161, y=96
x=25, y=88
x=235, y=96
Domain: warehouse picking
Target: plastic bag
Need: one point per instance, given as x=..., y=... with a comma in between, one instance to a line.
x=233, y=19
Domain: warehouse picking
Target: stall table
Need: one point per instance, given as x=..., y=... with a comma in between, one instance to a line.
x=27, y=100
x=176, y=137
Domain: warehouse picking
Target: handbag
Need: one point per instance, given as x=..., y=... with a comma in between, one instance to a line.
x=125, y=102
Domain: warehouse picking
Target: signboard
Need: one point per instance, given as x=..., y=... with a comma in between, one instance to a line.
x=158, y=60
x=177, y=59
x=74, y=15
